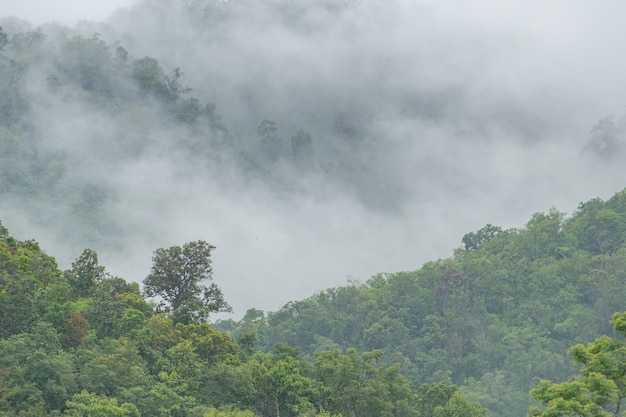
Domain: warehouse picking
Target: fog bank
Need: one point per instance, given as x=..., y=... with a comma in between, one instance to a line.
x=429, y=120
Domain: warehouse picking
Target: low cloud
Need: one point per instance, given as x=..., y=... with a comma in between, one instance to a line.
x=438, y=118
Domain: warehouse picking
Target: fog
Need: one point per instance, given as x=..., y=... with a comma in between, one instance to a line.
x=457, y=114
x=68, y=12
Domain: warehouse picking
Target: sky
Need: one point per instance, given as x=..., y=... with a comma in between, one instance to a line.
x=67, y=12
x=519, y=86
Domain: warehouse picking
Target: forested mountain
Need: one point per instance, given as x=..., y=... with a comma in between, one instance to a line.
x=271, y=127
x=304, y=137
x=494, y=318
x=82, y=342
x=482, y=327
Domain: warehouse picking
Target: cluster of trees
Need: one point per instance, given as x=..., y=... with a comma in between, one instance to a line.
x=482, y=326
x=600, y=388
x=52, y=70
x=84, y=343
x=494, y=318
x=148, y=109
x=482, y=333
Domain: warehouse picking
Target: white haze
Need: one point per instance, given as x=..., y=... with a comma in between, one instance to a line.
x=527, y=81
x=68, y=12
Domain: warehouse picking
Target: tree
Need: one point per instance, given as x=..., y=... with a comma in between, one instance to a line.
x=473, y=240
x=174, y=84
x=39, y=369
x=151, y=79
x=601, y=386
x=270, y=142
x=177, y=275
x=87, y=404
x=75, y=329
x=85, y=274
x=431, y=396
x=605, y=138
x=302, y=146
x=4, y=232
x=358, y=385
x=458, y=406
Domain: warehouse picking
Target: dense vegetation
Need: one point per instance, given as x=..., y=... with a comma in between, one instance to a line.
x=72, y=102
x=493, y=318
x=81, y=342
x=87, y=82
x=100, y=98
x=477, y=331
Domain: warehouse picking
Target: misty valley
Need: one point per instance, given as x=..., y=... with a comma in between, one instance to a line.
x=314, y=208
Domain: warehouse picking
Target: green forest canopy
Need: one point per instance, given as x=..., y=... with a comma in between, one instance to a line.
x=477, y=331
x=483, y=326
x=84, y=343
x=494, y=318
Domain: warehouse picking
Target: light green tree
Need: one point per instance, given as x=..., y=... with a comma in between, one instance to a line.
x=601, y=386
x=459, y=406
x=86, y=404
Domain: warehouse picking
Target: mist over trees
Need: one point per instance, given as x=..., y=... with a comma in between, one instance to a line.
x=178, y=276
x=311, y=141
x=378, y=121
x=495, y=319
x=101, y=349
x=481, y=333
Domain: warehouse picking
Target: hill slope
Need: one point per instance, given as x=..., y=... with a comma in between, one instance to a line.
x=493, y=318
x=82, y=343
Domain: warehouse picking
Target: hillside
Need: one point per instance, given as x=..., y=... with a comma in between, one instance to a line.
x=494, y=318
x=310, y=142
x=479, y=329
x=82, y=342
x=298, y=135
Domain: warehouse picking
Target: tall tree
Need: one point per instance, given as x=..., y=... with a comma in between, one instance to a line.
x=177, y=276
x=85, y=274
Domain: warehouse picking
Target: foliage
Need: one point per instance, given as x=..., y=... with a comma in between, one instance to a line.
x=86, y=404
x=474, y=240
x=177, y=275
x=492, y=319
x=601, y=386
x=488, y=322
x=85, y=274
x=481, y=326
x=458, y=406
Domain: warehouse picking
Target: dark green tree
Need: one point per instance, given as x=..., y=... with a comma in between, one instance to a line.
x=431, y=396
x=474, y=240
x=151, y=79
x=459, y=406
x=85, y=274
x=177, y=276
x=359, y=385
